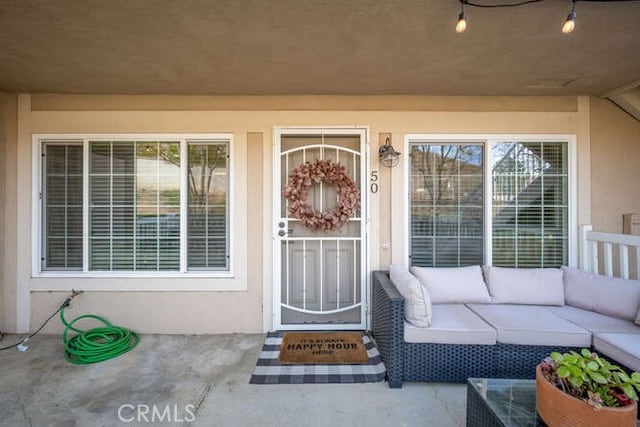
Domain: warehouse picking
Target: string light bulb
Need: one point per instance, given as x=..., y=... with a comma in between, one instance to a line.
x=461, y=24
x=570, y=23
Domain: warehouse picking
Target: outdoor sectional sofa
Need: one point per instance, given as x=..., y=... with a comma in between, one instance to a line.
x=525, y=315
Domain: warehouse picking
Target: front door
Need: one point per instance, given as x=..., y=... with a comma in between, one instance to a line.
x=319, y=271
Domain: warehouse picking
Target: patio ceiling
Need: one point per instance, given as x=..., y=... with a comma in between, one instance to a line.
x=244, y=47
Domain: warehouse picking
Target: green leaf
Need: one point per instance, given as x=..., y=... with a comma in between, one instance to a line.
x=575, y=371
x=585, y=353
x=623, y=377
x=557, y=357
x=629, y=391
x=563, y=372
x=592, y=366
x=576, y=381
x=599, y=378
x=635, y=377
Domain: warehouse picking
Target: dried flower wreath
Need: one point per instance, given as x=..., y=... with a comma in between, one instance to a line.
x=303, y=177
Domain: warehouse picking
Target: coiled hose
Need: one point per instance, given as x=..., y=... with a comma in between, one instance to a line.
x=97, y=344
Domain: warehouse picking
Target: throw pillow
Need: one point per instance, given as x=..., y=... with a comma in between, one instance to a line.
x=417, y=304
x=535, y=286
x=459, y=285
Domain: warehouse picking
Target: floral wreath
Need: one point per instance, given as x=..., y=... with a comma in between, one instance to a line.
x=303, y=177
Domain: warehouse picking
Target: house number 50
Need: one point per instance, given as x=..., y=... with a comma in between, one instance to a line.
x=374, y=182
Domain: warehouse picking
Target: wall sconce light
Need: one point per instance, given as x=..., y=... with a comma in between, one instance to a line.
x=388, y=155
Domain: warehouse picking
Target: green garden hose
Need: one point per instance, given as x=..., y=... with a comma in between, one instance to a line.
x=97, y=344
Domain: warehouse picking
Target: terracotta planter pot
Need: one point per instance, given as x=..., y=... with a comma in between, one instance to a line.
x=557, y=408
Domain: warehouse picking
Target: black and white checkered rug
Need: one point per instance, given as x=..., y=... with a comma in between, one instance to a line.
x=269, y=371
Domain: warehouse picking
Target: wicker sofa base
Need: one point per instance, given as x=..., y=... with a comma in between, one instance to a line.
x=455, y=363
x=452, y=363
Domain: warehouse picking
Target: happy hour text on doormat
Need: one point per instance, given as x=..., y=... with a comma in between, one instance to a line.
x=323, y=346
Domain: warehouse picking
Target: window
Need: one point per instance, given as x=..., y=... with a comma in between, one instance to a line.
x=135, y=205
x=62, y=204
x=529, y=204
x=526, y=194
x=446, y=204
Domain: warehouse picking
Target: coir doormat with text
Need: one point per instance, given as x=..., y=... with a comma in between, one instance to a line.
x=299, y=348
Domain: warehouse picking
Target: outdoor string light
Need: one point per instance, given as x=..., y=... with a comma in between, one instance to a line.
x=461, y=25
x=570, y=23
x=567, y=28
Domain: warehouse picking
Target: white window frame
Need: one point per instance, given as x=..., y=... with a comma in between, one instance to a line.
x=38, y=141
x=487, y=140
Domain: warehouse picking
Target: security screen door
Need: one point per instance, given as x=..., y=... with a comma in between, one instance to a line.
x=319, y=276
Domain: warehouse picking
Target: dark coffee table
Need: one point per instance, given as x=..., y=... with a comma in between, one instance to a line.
x=501, y=402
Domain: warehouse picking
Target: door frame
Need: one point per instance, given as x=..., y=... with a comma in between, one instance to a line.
x=363, y=132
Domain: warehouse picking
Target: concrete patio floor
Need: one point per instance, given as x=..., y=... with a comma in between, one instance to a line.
x=203, y=381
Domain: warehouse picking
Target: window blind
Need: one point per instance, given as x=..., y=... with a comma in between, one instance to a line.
x=530, y=204
x=207, y=206
x=446, y=198
x=62, y=202
x=134, y=212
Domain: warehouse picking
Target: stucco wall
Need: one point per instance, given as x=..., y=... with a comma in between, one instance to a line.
x=615, y=169
x=8, y=211
x=3, y=143
x=251, y=120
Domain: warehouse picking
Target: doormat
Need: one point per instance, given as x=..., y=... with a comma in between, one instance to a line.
x=301, y=348
x=270, y=371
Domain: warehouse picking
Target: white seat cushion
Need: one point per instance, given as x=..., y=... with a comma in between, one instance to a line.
x=451, y=324
x=607, y=295
x=595, y=322
x=531, y=325
x=623, y=348
x=457, y=285
x=417, y=305
x=538, y=286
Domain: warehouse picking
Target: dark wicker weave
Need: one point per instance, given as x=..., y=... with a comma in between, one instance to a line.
x=452, y=363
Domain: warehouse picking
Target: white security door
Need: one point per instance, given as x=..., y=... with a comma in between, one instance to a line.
x=319, y=275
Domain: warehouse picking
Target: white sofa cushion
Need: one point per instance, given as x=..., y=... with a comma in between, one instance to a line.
x=452, y=324
x=417, y=304
x=538, y=286
x=638, y=318
x=595, y=322
x=531, y=325
x=453, y=285
x=622, y=348
x=607, y=295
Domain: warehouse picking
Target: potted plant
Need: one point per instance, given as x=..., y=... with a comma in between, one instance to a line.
x=584, y=389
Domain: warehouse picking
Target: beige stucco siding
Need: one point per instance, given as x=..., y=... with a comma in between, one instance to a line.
x=243, y=302
x=615, y=166
x=8, y=209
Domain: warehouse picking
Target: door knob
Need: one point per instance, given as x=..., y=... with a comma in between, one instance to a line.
x=282, y=233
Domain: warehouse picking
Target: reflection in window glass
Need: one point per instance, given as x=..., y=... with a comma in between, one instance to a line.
x=207, y=212
x=530, y=204
x=134, y=214
x=446, y=190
